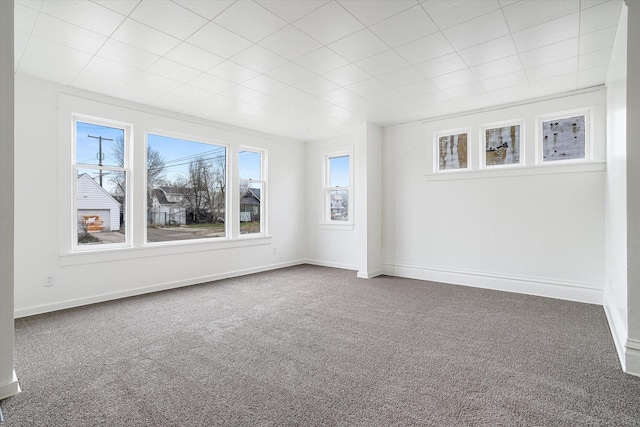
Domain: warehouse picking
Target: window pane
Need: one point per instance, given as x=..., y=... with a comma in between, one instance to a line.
x=250, y=165
x=100, y=208
x=99, y=145
x=339, y=171
x=186, y=187
x=250, y=201
x=339, y=205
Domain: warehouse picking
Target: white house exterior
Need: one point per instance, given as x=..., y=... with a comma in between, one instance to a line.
x=166, y=208
x=94, y=200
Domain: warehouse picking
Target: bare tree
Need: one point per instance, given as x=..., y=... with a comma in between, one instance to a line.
x=203, y=189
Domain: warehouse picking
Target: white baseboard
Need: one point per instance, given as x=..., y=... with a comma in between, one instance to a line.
x=572, y=291
x=632, y=357
x=46, y=308
x=10, y=389
x=616, y=326
x=369, y=274
x=331, y=264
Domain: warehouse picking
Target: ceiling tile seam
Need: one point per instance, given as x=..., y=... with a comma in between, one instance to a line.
x=204, y=17
x=459, y=23
x=516, y=46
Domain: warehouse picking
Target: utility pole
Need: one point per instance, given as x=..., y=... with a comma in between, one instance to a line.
x=100, y=156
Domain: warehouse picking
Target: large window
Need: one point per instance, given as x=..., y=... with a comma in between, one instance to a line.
x=186, y=189
x=337, y=188
x=100, y=182
x=251, y=191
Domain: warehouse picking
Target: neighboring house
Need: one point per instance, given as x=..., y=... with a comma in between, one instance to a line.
x=97, y=209
x=167, y=207
x=338, y=209
x=250, y=205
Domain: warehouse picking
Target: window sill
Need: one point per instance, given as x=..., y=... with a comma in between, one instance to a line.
x=159, y=249
x=338, y=227
x=501, y=172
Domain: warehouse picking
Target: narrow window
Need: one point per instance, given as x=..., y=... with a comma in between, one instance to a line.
x=101, y=176
x=337, y=192
x=186, y=189
x=251, y=192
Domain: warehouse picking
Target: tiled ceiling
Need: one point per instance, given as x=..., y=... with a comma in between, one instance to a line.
x=311, y=69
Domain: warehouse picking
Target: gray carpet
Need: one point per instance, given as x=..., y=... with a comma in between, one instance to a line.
x=316, y=346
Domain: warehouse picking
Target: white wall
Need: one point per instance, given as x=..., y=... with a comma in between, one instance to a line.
x=328, y=244
x=8, y=381
x=539, y=230
x=44, y=180
x=615, y=294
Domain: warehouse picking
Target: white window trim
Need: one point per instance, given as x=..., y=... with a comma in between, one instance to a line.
x=128, y=134
x=326, y=221
x=263, y=192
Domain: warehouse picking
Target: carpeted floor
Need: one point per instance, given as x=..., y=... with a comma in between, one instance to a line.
x=316, y=346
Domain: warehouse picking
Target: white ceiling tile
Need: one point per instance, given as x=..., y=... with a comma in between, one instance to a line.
x=425, y=48
x=328, y=23
x=372, y=11
x=155, y=82
x=84, y=14
x=512, y=94
x=554, y=85
x=480, y=100
x=387, y=97
x=206, y=9
x=31, y=4
x=550, y=53
x=173, y=70
x=232, y=72
x=139, y=94
x=123, y=7
x=497, y=68
x=442, y=65
x=291, y=11
x=597, y=40
x=290, y=43
x=405, y=27
x=43, y=48
x=586, y=4
x=347, y=75
x=489, y=51
x=446, y=13
x=126, y=54
x=464, y=91
x=20, y=41
x=518, y=78
x=317, y=85
x=321, y=60
x=382, y=63
x=146, y=38
x=24, y=18
x=112, y=69
x=401, y=77
x=553, y=69
x=594, y=59
x=47, y=70
x=592, y=76
x=290, y=73
x=357, y=46
x=367, y=87
x=67, y=34
x=478, y=30
x=98, y=83
x=419, y=88
x=191, y=92
x=193, y=57
x=338, y=96
x=505, y=3
x=265, y=84
x=258, y=59
x=242, y=94
x=431, y=98
x=219, y=41
x=167, y=17
x=457, y=78
x=254, y=22
x=211, y=83
x=546, y=34
x=599, y=17
x=527, y=14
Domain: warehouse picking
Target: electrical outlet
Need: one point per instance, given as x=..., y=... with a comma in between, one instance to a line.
x=275, y=250
x=49, y=280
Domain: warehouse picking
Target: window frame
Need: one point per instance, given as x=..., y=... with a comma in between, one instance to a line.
x=263, y=192
x=326, y=184
x=126, y=169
